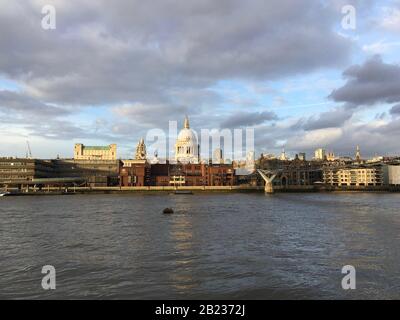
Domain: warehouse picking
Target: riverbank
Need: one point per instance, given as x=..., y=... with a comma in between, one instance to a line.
x=198, y=189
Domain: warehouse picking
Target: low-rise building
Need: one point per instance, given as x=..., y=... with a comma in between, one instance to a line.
x=94, y=172
x=135, y=173
x=14, y=170
x=353, y=176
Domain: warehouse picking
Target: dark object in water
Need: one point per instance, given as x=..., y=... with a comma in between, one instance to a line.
x=183, y=192
x=168, y=211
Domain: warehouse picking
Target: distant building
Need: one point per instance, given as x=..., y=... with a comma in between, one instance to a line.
x=331, y=156
x=283, y=156
x=218, y=156
x=82, y=152
x=302, y=156
x=295, y=172
x=320, y=154
x=136, y=172
x=141, y=152
x=392, y=174
x=376, y=159
x=267, y=156
x=358, y=154
x=155, y=158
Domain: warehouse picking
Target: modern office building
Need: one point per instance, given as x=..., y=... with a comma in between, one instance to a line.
x=13, y=170
x=96, y=173
x=320, y=154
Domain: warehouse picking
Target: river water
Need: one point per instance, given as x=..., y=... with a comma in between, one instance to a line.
x=215, y=246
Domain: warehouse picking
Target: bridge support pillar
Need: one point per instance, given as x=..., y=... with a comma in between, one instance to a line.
x=269, y=188
x=268, y=178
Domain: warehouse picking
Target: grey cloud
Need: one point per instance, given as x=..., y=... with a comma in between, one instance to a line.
x=391, y=130
x=372, y=138
x=151, y=115
x=242, y=119
x=381, y=140
x=395, y=110
x=329, y=119
x=17, y=103
x=44, y=120
x=139, y=51
x=370, y=83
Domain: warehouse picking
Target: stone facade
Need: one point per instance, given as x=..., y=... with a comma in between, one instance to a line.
x=141, y=152
x=82, y=152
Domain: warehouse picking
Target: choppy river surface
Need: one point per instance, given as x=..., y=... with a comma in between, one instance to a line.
x=215, y=246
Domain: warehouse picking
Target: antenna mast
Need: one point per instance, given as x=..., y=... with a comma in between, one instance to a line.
x=29, y=153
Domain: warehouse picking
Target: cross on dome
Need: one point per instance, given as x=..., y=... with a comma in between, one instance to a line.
x=186, y=123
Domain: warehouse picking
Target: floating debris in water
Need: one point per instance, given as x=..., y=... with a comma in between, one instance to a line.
x=168, y=211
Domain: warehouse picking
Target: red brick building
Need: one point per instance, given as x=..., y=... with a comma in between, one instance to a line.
x=143, y=174
x=135, y=173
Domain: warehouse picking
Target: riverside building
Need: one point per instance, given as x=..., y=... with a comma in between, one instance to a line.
x=354, y=176
x=14, y=170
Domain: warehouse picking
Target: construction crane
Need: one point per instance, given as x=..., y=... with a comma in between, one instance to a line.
x=29, y=152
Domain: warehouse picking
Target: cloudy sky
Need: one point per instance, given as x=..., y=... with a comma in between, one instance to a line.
x=109, y=72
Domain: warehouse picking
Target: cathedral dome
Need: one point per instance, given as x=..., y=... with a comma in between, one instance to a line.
x=187, y=135
x=186, y=147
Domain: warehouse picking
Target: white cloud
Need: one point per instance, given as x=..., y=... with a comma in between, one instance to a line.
x=380, y=47
x=391, y=19
x=311, y=139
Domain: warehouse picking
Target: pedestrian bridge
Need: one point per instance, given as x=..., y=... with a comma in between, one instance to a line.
x=269, y=176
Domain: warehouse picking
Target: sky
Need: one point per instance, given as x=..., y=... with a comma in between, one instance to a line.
x=110, y=72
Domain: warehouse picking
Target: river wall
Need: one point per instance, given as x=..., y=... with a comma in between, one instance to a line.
x=200, y=189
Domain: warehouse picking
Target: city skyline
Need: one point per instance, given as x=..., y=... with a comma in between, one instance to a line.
x=108, y=75
x=235, y=152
